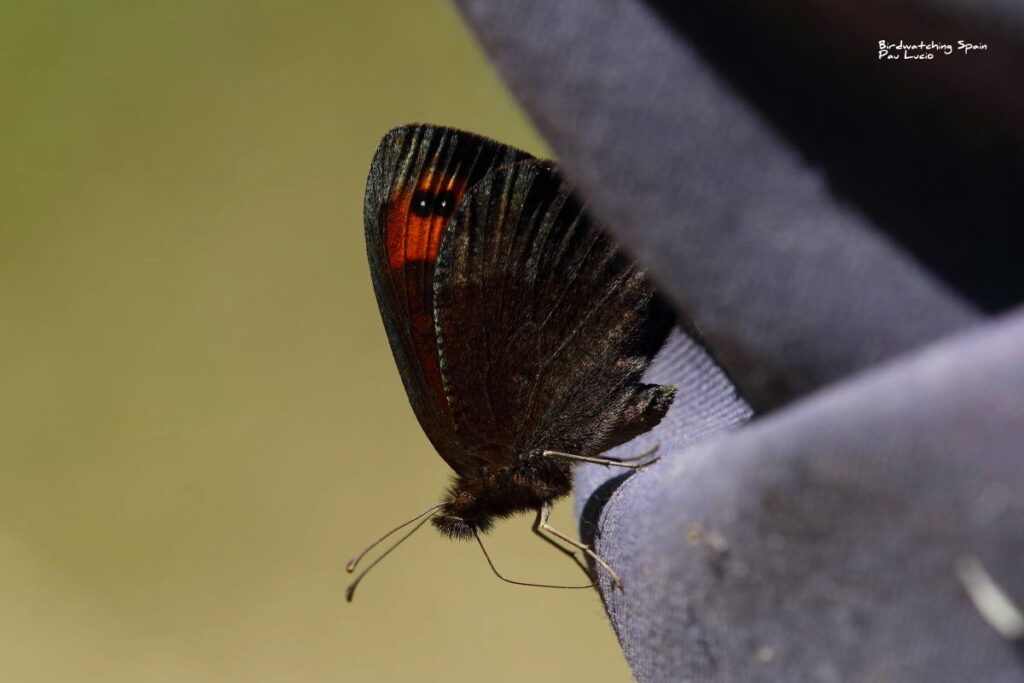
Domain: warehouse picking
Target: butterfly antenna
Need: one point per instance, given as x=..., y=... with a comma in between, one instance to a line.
x=351, y=566
x=519, y=583
x=424, y=517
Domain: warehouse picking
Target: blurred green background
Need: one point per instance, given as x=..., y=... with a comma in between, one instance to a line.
x=200, y=418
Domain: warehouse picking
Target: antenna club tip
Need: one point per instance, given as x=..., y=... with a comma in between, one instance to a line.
x=351, y=566
x=350, y=593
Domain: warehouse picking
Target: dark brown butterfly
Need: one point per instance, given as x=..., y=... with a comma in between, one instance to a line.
x=520, y=330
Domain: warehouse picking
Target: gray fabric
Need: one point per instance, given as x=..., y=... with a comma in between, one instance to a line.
x=823, y=538
x=791, y=287
x=816, y=542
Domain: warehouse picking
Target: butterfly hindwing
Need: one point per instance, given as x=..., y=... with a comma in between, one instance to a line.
x=544, y=328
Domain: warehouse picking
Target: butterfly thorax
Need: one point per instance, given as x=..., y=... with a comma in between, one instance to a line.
x=476, y=498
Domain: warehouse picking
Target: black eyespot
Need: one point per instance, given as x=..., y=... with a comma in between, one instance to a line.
x=444, y=203
x=422, y=203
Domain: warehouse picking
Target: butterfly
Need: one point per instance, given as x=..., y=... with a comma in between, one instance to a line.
x=520, y=329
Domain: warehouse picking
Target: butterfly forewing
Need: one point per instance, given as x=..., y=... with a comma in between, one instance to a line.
x=418, y=176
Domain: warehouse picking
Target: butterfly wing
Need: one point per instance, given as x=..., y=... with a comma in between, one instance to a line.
x=544, y=327
x=418, y=175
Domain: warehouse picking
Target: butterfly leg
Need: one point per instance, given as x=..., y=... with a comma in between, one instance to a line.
x=542, y=525
x=541, y=519
x=607, y=462
x=642, y=456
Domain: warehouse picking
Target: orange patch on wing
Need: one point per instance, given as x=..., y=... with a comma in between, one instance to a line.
x=411, y=237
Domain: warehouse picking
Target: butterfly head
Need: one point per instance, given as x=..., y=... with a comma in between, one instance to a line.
x=462, y=516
